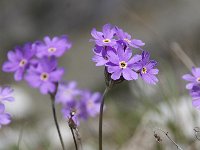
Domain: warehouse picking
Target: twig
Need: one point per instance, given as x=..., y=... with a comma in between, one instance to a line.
x=166, y=133
x=197, y=133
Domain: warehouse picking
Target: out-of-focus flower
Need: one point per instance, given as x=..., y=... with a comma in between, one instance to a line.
x=104, y=38
x=195, y=93
x=5, y=118
x=67, y=92
x=52, y=47
x=193, y=79
x=45, y=75
x=147, y=70
x=91, y=102
x=77, y=104
x=19, y=60
x=121, y=64
x=6, y=94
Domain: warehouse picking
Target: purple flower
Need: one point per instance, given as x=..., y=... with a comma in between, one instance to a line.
x=52, y=47
x=121, y=64
x=45, y=75
x=6, y=94
x=104, y=38
x=18, y=60
x=147, y=70
x=126, y=38
x=101, y=56
x=92, y=102
x=195, y=93
x=193, y=79
x=67, y=92
x=5, y=118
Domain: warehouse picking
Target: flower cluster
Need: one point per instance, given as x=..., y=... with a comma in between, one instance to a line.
x=5, y=95
x=37, y=62
x=76, y=103
x=113, y=50
x=194, y=86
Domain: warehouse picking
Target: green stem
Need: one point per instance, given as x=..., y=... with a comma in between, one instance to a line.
x=55, y=119
x=101, y=117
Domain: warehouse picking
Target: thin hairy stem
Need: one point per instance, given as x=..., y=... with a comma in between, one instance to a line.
x=74, y=138
x=79, y=138
x=101, y=117
x=55, y=119
x=166, y=134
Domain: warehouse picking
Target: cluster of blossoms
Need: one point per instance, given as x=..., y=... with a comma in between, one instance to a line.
x=77, y=104
x=113, y=50
x=5, y=95
x=194, y=86
x=37, y=62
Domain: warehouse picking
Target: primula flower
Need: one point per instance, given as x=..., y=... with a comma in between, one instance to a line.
x=92, y=102
x=126, y=38
x=101, y=56
x=193, y=79
x=121, y=64
x=104, y=38
x=19, y=60
x=147, y=70
x=67, y=92
x=52, y=47
x=5, y=118
x=6, y=94
x=45, y=75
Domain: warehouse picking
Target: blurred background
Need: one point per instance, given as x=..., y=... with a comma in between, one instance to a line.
x=133, y=109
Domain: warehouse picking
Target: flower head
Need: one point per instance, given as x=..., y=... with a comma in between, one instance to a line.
x=104, y=38
x=5, y=118
x=45, y=75
x=52, y=47
x=121, y=64
x=193, y=78
x=19, y=60
x=147, y=70
x=117, y=56
x=77, y=104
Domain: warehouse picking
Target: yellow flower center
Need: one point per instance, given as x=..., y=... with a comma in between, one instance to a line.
x=122, y=64
x=44, y=76
x=127, y=40
x=198, y=79
x=106, y=41
x=22, y=62
x=144, y=70
x=52, y=49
